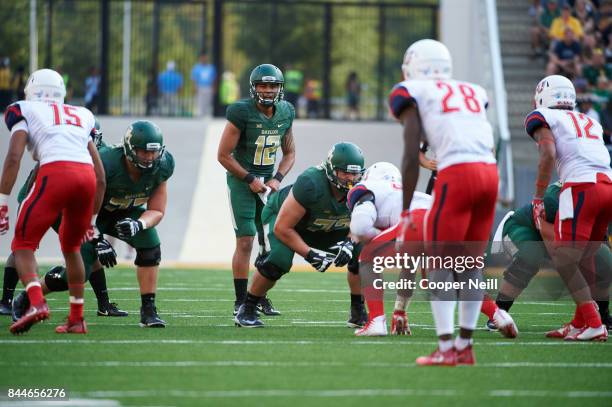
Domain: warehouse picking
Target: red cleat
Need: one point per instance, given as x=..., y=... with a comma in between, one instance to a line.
x=399, y=323
x=566, y=330
x=599, y=334
x=466, y=356
x=32, y=316
x=77, y=328
x=437, y=358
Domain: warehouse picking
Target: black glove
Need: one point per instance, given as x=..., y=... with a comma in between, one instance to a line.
x=344, y=250
x=320, y=259
x=127, y=227
x=106, y=253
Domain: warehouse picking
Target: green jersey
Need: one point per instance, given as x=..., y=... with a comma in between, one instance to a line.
x=524, y=215
x=123, y=193
x=260, y=136
x=324, y=213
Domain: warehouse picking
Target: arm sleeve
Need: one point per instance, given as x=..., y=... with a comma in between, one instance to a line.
x=362, y=221
x=237, y=115
x=305, y=191
x=534, y=121
x=399, y=100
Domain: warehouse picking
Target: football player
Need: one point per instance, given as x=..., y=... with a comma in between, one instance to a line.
x=310, y=218
x=255, y=129
x=530, y=253
x=70, y=181
x=376, y=204
x=574, y=143
x=451, y=116
x=97, y=278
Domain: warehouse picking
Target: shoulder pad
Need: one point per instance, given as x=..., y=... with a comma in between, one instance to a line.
x=399, y=100
x=13, y=115
x=358, y=194
x=534, y=121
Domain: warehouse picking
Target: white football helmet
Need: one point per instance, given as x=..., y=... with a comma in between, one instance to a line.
x=45, y=85
x=555, y=91
x=427, y=59
x=383, y=171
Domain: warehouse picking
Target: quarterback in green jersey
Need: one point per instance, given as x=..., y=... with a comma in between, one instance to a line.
x=256, y=127
x=310, y=218
x=529, y=253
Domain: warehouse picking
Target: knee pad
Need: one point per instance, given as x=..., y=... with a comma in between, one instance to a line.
x=519, y=273
x=148, y=257
x=353, y=265
x=270, y=271
x=55, y=279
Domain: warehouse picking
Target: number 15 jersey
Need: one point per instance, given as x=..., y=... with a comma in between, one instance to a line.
x=453, y=114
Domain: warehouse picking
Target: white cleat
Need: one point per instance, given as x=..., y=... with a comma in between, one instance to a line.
x=599, y=334
x=563, y=332
x=374, y=327
x=505, y=323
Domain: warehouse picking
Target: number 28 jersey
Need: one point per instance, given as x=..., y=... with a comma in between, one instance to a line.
x=56, y=132
x=453, y=114
x=581, y=152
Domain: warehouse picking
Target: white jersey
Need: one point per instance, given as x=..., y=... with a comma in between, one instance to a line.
x=581, y=152
x=56, y=132
x=454, y=118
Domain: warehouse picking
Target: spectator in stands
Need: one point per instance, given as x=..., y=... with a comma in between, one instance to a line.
x=585, y=105
x=541, y=28
x=229, y=90
x=170, y=83
x=151, y=94
x=606, y=123
x=204, y=77
x=564, y=59
x=6, y=92
x=353, y=96
x=585, y=13
x=19, y=81
x=294, y=83
x=92, y=84
x=312, y=94
x=597, y=68
x=608, y=50
x=603, y=93
x=566, y=20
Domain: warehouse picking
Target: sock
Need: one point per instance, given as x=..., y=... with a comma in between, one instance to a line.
x=468, y=314
x=462, y=343
x=488, y=307
x=97, y=279
x=578, y=321
x=10, y=282
x=604, y=308
x=376, y=308
x=401, y=303
x=35, y=294
x=445, y=345
x=251, y=300
x=590, y=314
x=356, y=300
x=76, y=310
x=444, y=316
x=504, y=302
x=240, y=288
x=147, y=299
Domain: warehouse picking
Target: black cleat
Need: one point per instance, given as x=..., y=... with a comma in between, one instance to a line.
x=237, y=305
x=6, y=308
x=358, y=316
x=247, y=317
x=20, y=305
x=265, y=307
x=111, y=310
x=491, y=326
x=149, y=317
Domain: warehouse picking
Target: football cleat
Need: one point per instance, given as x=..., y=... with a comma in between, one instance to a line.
x=466, y=356
x=399, y=323
x=20, y=305
x=237, y=305
x=374, y=327
x=599, y=334
x=149, y=317
x=79, y=327
x=110, y=310
x=505, y=324
x=32, y=316
x=491, y=326
x=565, y=330
x=6, y=308
x=358, y=316
x=247, y=317
x=265, y=307
x=437, y=358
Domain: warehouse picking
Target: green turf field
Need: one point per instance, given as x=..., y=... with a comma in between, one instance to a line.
x=305, y=357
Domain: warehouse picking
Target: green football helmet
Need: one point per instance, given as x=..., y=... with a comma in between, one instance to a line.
x=143, y=135
x=346, y=157
x=96, y=134
x=266, y=73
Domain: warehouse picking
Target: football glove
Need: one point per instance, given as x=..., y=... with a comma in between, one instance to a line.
x=106, y=254
x=320, y=259
x=538, y=211
x=127, y=228
x=345, y=252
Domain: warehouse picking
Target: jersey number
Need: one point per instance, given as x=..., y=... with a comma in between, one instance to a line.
x=586, y=128
x=469, y=98
x=266, y=150
x=69, y=116
x=125, y=203
x=331, y=224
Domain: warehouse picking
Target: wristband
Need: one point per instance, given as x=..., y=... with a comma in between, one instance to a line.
x=249, y=178
x=94, y=217
x=143, y=224
x=3, y=199
x=279, y=177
